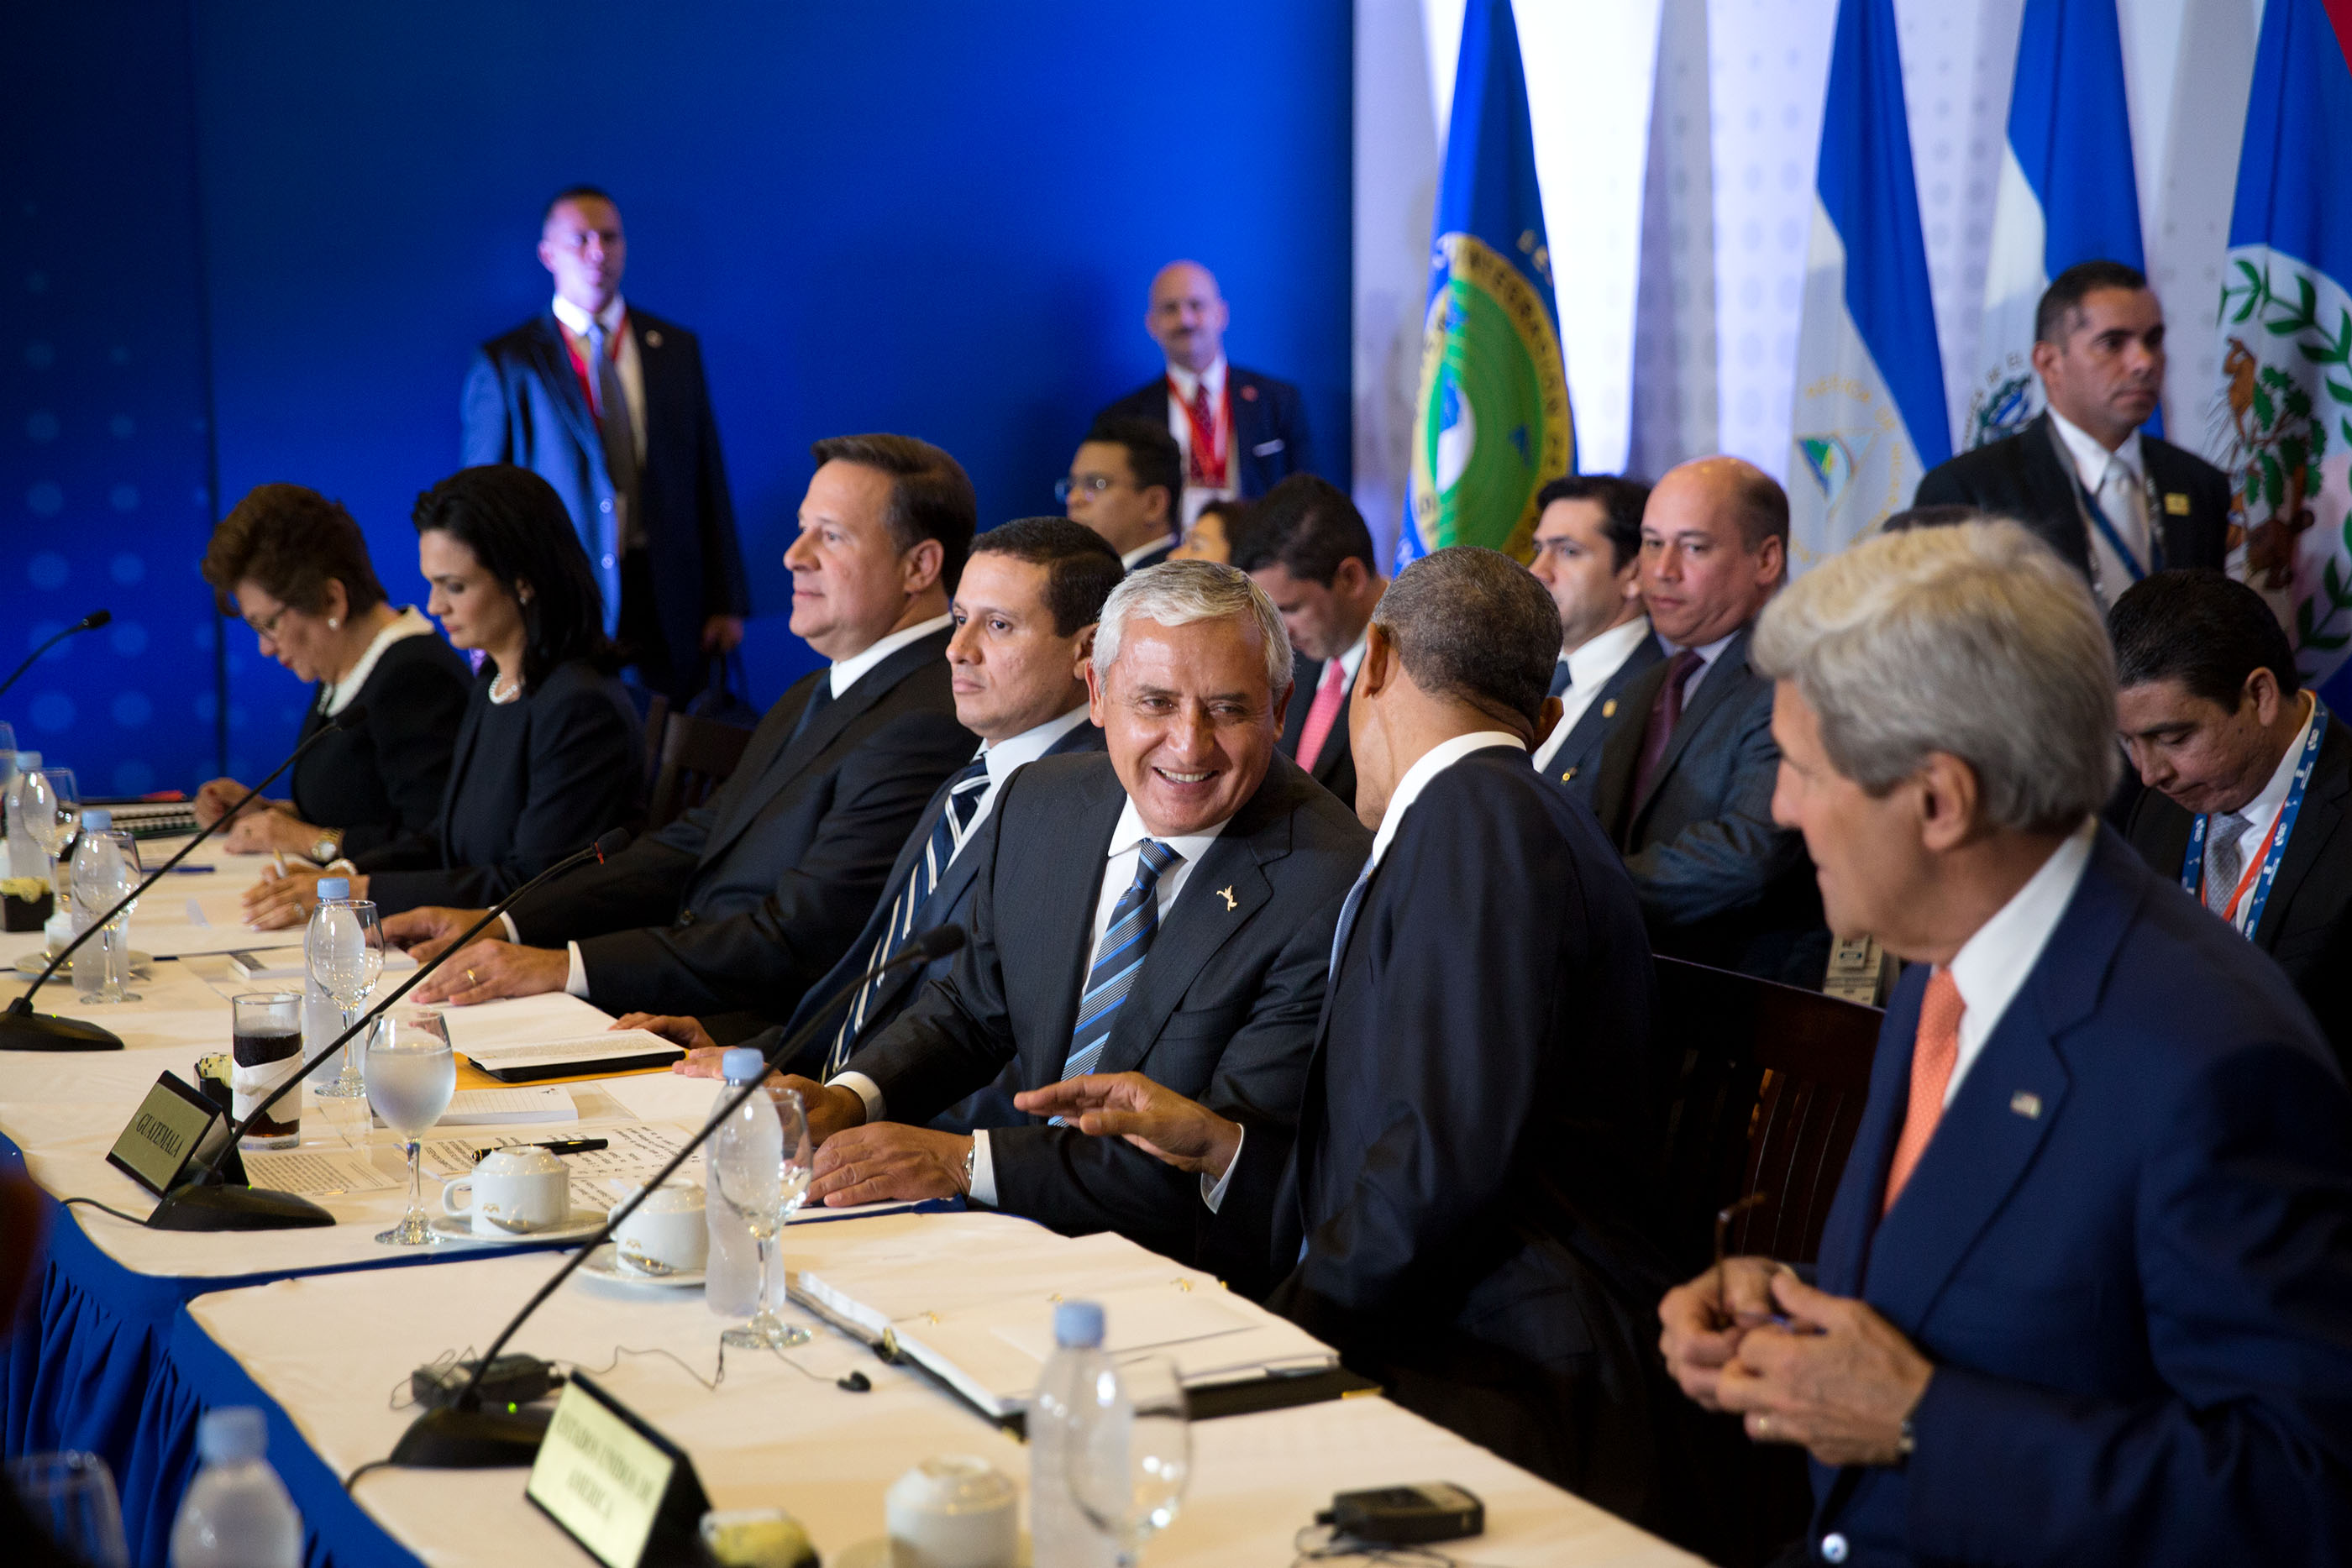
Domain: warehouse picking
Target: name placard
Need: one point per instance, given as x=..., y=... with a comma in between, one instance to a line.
x=617, y=1487
x=173, y=1124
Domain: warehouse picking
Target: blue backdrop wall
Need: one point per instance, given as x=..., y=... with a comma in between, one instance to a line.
x=935, y=218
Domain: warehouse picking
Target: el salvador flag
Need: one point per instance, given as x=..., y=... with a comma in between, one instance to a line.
x=2067, y=195
x=2282, y=425
x=1869, y=413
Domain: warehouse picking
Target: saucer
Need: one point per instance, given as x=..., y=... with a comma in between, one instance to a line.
x=581, y=1223
x=142, y=966
x=604, y=1263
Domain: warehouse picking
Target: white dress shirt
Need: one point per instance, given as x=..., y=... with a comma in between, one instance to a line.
x=626, y=363
x=2262, y=811
x=2119, y=480
x=1589, y=665
x=409, y=623
x=1993, y=964
x=843, y=674
x=1186, y=383
x=1708, y=654
x=1128, y=558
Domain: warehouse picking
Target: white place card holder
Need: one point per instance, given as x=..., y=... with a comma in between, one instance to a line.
x=624, y=1492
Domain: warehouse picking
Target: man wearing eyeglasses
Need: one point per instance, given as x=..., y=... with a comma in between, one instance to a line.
x=1127, y=482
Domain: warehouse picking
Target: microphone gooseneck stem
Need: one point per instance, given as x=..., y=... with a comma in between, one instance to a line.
x=90, y=621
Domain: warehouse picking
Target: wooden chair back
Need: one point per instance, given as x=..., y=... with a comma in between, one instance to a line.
x=697, y=757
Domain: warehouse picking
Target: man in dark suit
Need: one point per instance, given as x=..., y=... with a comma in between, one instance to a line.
x=1307, y=546
x=1025, y=611
x=1588, y=544
x=1168, y=908
x=2114, y=501
x=1240, y=431
x=609, y=406
x=1127, y=482
x=2216, y=720
x=758, y=892
x=1458, y=1222
x=1685, y=781
x=2086, y=1288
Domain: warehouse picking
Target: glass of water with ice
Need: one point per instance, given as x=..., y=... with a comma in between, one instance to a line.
x=411, y=1074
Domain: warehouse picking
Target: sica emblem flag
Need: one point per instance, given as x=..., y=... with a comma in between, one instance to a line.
x=2067, y=195
x=1492, y=423
x=2283, y=421
x=1869, y=417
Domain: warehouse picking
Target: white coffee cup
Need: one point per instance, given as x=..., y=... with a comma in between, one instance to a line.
x=667, y=1231
x=954, y=1511
x=512, y=1192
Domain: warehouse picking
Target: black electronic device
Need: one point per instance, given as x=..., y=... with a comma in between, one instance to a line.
x=1406, y=1515
x=512, y=1381
x=22, y=1029
x=465, y=1435
x=90, y=622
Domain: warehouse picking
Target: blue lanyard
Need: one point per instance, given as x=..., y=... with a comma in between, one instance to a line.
x=2249, y=916
x=2097, y=516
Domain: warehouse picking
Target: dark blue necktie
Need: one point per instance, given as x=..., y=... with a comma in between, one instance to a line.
x=1118, y=958
x=1348, y=918
x=956, y=814
x=1559, y=681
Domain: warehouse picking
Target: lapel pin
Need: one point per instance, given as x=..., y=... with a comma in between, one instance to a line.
x=2026, y=1104
x=1249, y=395
x=1608, y=708
x=653, y=340
x=1568, y=776
x=1227, y=895
x=2176, y=504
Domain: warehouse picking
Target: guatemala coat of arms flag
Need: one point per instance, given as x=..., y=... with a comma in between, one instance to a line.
x=2283, y=421
x=1492, y=424
x=1870, y=416
x=2067, y=195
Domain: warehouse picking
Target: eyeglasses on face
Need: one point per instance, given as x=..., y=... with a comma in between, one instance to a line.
x=1092, y=484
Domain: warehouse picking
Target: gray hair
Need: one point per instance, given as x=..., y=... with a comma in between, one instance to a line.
x=1179, y=592
x=1472, y=624
x=1974, y=639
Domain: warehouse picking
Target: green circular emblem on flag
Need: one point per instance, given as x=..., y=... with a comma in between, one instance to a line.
x=1493, y=425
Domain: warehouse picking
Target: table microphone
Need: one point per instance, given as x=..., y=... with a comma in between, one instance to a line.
x=461, y=1435
x=22, y=1029
x=90, y=622
x=204, y=1202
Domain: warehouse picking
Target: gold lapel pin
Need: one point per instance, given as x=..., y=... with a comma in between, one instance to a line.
x=653, y=340
x=1568, y=776
x=2176, y=504
x=1608, y=708
x=1227, y=895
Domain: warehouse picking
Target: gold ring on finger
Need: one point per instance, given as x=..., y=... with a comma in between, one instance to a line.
x=470, y=978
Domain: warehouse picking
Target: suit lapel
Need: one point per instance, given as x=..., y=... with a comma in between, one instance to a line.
x=1604, y=709
x=564, y=384
x=1854, y=1215
x=2050, y=488
x=2168, y=476
x=2315, y=825
x=1305, y=676
x=1729, y=672
x=1621, y=752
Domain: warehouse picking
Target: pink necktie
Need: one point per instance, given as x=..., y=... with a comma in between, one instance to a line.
x=1329, y=692
x=1935, y=1051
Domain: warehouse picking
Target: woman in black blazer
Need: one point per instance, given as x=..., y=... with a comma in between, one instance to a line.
x=294, y=565
x=550, y=753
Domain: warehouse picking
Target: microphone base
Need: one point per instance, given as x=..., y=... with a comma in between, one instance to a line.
x=473, y=1439
x=194, y=1206
x=29, y=1031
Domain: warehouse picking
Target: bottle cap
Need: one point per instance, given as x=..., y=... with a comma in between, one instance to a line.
x=97, y=820
x=28, y=761
x=742, y=1063
x=334, y=887
x=1078, y=1325
x=231, y=1434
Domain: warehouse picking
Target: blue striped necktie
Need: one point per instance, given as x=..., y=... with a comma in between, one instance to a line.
x=1118, y=958
x=956, y=814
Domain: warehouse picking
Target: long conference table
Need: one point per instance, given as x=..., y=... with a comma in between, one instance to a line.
x=130, y=1334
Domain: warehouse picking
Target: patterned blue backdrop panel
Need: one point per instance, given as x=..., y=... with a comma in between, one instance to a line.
x=102, y=392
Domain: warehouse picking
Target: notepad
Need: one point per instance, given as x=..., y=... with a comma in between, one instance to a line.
x=496, y=1107
x=620, y=1050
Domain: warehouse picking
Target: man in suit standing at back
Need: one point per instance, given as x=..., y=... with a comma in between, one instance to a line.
x=1588, y=558
x=1685, y=779
x=746, y=900
x=2086, y=1288
x=2114, y=501
x=1306, y=546
x=1240, y=431
x=608, y=404
x=2245, y=764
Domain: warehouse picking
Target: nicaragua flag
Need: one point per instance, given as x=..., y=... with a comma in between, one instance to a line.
x=1492, y=423
x=1869, y=417
x=2283, y=424
x=2067, y=195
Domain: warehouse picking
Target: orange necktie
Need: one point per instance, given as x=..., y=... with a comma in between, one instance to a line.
x=1933, y=1054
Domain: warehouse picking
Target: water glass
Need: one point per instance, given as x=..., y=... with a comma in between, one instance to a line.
x=410, y=1072
x=105, y=870
x=71, y=1496
x=1131, y=1489
x=344, y=948
x=765, y=1184
x=266, y=1051
x=51, y=805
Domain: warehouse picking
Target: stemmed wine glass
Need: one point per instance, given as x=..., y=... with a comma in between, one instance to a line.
x=410, y=1072
x=105, y=868
x=762, y=1175
x=344, y=946
x=52, y=814
x=1131, y=1489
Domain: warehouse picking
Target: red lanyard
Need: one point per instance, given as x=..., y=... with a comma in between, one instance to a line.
x=580, y=361
x=1208, y=464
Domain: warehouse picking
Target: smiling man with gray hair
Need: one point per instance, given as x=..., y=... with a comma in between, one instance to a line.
x=1167, y=907
x=2085, y=1290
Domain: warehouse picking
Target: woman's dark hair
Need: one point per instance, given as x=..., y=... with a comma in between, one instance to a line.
x=516, y=526
x=292, y=541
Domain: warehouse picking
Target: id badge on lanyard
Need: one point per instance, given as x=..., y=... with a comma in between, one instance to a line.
x=2244, y=909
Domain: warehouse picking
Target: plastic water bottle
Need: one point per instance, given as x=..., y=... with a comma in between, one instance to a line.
x=236, y=1513
x=731, y=1277
x=1061, y=1535
x=25, y=856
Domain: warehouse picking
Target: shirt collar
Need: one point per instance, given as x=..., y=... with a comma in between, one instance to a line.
x=1597, y=658
x=1003, y=755
x=409, y=624
x=2091, y=459
x=1353, y=659
x=1130, y=834
x=1139, y=551
x=845, y=671
x=1426, y=767
x=576, y=321
x=2273, y=795
x=1991, y=965
x=1708, y=652
x=1186, y=379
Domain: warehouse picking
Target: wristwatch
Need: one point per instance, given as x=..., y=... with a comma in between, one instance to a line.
x=971, y=1165
x=328, y=844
